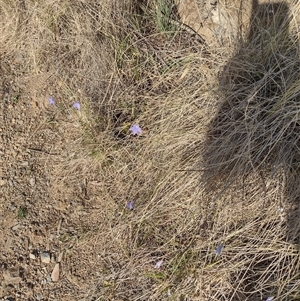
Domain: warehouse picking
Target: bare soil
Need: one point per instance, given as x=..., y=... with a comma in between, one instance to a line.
x=36, y=216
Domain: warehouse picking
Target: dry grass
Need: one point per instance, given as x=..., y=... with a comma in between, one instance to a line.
x=241, y=134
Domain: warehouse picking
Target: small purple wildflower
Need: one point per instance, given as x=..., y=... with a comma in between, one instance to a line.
x=76, y=105
x=135, y=129
x=130, y=205
x=219, y=249
x=51, y=100
x=270, y=298
x=158, y=264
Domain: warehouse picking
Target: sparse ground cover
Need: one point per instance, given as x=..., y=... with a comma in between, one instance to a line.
x=140, y=162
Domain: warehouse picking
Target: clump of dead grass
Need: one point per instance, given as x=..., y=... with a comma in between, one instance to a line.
x=256, y=126
x=124, y=70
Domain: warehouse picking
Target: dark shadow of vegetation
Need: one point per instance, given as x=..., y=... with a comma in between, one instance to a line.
x=255, y=126
x=256, y=129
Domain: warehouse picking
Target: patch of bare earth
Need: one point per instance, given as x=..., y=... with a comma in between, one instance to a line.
x=35, y=139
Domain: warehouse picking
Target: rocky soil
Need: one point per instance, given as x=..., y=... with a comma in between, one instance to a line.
x=40, y=217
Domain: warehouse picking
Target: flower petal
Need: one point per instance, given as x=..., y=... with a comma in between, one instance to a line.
x=135, y=129
x=158, y=264
x=51, y=100
x=130, y=205
x=219, y=249
x=76, y=105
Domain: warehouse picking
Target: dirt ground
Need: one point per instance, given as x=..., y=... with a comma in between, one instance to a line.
x=34, y=216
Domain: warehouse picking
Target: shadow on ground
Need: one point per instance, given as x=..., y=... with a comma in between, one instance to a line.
x=257, y=127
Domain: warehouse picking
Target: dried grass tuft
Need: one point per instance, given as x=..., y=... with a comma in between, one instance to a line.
x=238, y=126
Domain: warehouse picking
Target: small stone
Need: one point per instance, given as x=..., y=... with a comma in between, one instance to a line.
x=15, y=227
x=48, y=279
x=32, y=256
x=2, y=182
x=45, y=257
x=12, y=207
x=55, y=273
x=32, y=181
x=60, y=256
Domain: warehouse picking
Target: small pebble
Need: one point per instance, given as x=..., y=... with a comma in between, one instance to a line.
x=31, y=256
x=52, y=258
x=32, y=181
x=55, y=273
x=12, y=207
x=60, y=256
x=48, y=279
x=15, y=227
x=45, y=257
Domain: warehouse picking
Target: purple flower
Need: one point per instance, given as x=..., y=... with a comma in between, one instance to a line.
x=51, y=100
x=270, y=298
x=135, y=129
x=76, y=105
x=130, y=205
x=219, y=249
x=158, y=264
